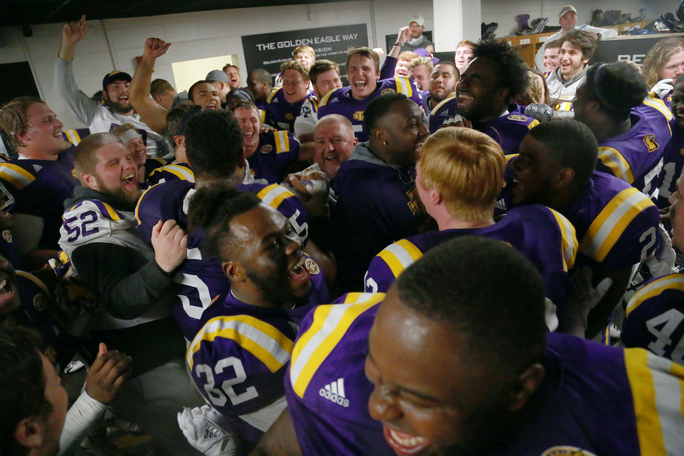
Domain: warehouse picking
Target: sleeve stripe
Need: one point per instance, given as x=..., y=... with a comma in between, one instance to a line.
x=107, y=210
x=274, y=194
x=282, y=141
x=533, y=124
x=140, y=200
x=404, y=86
x=329, y=326
x=262, y=115
x=179, y=171
x=15, y=175
x=400, y=256
x=73, y=137
x=614, y=160
x=569, y=240
x=607, y=228
x=272, y=94
x=655, y=288
x=510, y=157
x=262, y=340
x=659, y=105
x=451, y=96
x=35, y=280
x=656, y=385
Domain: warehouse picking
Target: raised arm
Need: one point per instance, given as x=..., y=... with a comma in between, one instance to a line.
x=150, y=111
x=79, y=104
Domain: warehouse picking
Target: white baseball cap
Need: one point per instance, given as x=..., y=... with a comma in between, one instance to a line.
x=566, y=9
x=418, y=20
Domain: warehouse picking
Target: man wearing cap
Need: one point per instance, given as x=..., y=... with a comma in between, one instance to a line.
x=115, y=110
x=417, y=40
x=567, y=18
x=222, y=83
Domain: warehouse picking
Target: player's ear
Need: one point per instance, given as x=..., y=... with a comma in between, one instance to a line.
x=179, y=140
x=89, y=180
x=28, y=433
x=380, y=135
x=527, y=384
x=564, y=177
x=503, y=94
x=234, y=271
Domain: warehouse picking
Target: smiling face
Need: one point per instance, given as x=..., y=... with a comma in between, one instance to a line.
x=305, y=59
x=206, y=96
x=333, y=144
x=362, y=76
x=568, y=21
x=428, y=395
x=533, y=171
x=572, y=61
x=45, y=133
x=478, y=92
x=327, y=81
x=404, y=132
x=271, y=255
x=116, y=97
x=234, y=77
x=295, y=86
x=138, y=151
x=402, y=68
x=115, y=175
x=258, y=88
x=677, y=216
x=674, y=67
x=9, y=293
x=551, y=59
x=248, y=118
x=421, y=76
x=442, y=82
x=677, y=105
x=463, y=56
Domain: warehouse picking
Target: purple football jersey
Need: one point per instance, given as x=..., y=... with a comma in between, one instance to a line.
x=509, y=129
x=593, y=399
x=201, y=280
x=673, y=162
x=238, y=356
x=171, y=172
x=40, y=188
x=655, y=318
x=541, y=234
x=377, y=205
x=282, y=114
x=442, y=112
x=340, y=101
x=275, y=151
x=636, y=156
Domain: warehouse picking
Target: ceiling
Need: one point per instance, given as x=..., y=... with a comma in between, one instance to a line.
x=34, y=12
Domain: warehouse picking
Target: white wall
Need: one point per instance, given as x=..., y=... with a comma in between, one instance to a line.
x=194, y=36
x=504, y=11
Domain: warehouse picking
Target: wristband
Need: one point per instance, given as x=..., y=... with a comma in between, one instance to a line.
x=398, y=44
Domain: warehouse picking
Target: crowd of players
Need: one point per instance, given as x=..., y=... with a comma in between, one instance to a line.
x=474, y=225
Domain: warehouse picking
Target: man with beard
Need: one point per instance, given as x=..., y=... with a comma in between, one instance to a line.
x=215, y=152
x=616, y=224
x=136, y=146
x=133, y=284
x=260, y=83
x=39, y=180
x=116, y=109
x=377, y=198
x=270, y=154
x=463, y=368
x=417, y=40
x=495, y=76
x=440, y=104
x=273, y=284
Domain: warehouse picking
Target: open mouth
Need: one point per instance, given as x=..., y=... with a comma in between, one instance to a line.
x=298, y=271
x=464, y=100
x=418, y=148
x=360, y=85
x=405, y=444
x=6, y=290
x=129, y=181
x=212, y=105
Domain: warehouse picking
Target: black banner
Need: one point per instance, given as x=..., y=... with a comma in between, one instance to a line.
x=633, y=48
x=269, y=50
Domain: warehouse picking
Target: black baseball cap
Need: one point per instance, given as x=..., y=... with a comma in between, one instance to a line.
x=115, y=76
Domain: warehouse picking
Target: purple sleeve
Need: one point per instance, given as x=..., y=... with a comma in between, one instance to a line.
x=379, y=277
x=388, y=67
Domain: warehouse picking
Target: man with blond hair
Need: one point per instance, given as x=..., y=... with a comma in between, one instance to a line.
x=420, y=69
x=284, y=104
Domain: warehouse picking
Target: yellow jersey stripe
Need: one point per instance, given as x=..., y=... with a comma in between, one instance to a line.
x=329, y=325
x=262, y=115
x=614, y=160
x=282, y=141
x=656, y=385
x=179, y=171
x=112, y=213
x=400, y=256
x=137, y=206
x=668, y=282
x=607, y=228
x=533, y=124
x=510, y=157
x=35, y=280
x=16, y=175
x=451, y=96
x=569, y=240
x=326, y=97
x=262, y=340
x=404, y=86
x=272, y=94
x=658, y=104
x=73, y=136
x=274, y=194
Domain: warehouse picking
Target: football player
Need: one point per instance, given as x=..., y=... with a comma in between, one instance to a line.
x=363, y=74
x=616, y=224
x=249, y=331
x=459, y=176
x=176, y=121
x=284, y=104
x=673, y=157
x=461, y=367
x=441, y=102
x=631, y=142
x=496, y=75
x=270, y=154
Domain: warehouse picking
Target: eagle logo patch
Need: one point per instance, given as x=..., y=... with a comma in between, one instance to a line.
x=387, y=91
x=266, y=149
x=7, y=236
x=289, y=116
x=358, y=115
x=517, y=117
x=651, y=143
x=40, y=302
x=311, y=266
x=566, y=451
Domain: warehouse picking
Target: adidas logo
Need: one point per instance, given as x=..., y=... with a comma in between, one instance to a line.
x=334, y=100
x=501, y=204
x=37, y=167
x=335, y=392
